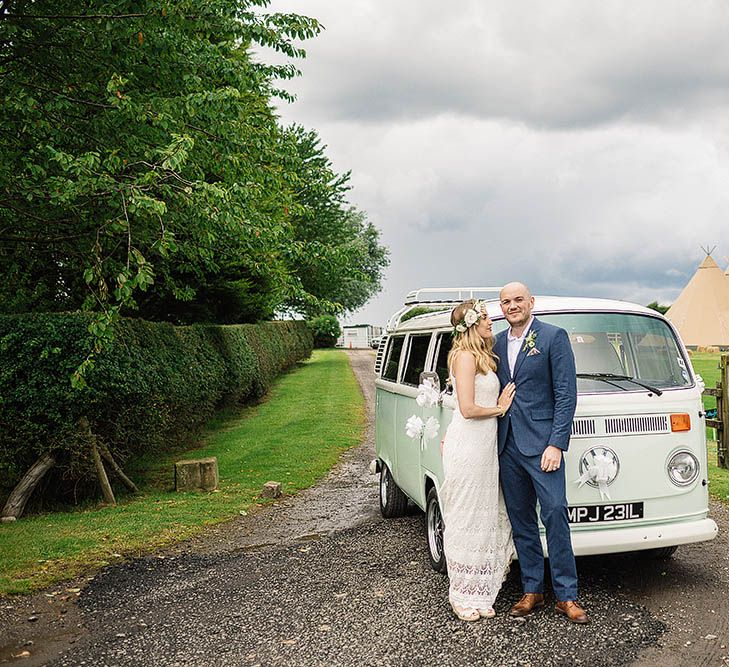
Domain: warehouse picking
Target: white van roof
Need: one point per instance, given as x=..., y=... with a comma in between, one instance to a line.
x=542, y=305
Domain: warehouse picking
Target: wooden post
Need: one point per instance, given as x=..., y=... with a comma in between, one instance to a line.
x=101, y=474
x=115, y=467
x=106, y=489
x=19, y=497
x=722, y=413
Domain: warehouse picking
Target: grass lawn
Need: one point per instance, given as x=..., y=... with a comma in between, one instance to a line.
x=707, y=366
x=311, y=415
x=718, y=477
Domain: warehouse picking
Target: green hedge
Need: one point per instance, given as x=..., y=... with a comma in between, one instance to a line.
x=152, y=391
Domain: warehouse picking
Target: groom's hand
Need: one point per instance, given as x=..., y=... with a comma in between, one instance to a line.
x=551, y=458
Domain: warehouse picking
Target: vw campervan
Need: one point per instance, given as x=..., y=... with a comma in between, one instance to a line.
x=636, y=467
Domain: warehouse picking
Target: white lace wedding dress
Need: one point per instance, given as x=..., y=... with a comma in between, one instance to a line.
x=477, y=534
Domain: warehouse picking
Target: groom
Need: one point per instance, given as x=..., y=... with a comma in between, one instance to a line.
x=532, y=437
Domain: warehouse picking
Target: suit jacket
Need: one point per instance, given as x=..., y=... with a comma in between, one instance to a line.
x=546, y=390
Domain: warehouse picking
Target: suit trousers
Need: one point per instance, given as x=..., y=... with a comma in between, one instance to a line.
x=523, y=483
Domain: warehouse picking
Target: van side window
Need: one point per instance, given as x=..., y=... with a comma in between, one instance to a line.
x=443, y=346
x=392, y=358
x=415, y=364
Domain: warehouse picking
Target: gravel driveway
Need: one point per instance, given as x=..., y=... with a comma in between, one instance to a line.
x=321, y=579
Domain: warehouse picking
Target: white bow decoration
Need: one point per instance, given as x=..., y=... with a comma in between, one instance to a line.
x=599, y=472
x=427, y=394
x=416, y=428
x=432, y=426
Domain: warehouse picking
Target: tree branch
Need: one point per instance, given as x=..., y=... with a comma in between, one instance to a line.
x=77, y=17
x=38, y=239
x=205, y=132
x=97, y=105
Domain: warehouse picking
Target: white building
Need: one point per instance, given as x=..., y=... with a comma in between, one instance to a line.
x=358, y=335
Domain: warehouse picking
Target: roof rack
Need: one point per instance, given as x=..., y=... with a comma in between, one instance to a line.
x=457, y=294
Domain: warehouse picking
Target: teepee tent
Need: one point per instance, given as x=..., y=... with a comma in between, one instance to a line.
x=701, y=312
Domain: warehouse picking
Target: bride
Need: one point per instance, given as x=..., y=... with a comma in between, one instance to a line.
x=477, y=535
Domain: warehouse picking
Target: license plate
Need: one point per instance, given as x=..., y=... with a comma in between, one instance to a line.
x=602, y=513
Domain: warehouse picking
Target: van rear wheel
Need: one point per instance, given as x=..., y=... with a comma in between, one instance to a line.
x=393, y=502
x=434, y=532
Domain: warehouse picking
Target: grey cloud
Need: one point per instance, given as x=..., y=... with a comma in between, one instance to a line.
x=556, y=64
x=580, y=147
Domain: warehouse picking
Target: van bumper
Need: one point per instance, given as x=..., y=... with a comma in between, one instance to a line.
x=636, y=538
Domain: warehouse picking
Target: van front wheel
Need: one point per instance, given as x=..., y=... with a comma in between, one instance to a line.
x=393, y=502
x=659, y=553
x=434, y=530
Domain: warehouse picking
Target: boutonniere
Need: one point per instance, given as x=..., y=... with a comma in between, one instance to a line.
x=530, y=344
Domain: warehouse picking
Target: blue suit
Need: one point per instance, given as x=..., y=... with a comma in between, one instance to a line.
x=541, y=415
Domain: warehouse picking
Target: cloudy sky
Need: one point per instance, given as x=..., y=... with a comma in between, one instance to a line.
x=582, y=147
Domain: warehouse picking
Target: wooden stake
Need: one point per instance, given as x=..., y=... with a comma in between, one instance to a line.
x=106, y=489
x=119, y=472
x=19, y=496
x=101, y=474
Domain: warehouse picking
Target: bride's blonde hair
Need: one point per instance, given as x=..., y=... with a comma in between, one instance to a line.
x=470, y=341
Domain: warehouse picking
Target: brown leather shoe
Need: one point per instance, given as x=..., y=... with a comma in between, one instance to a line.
x=528, y=603
x=572, y=611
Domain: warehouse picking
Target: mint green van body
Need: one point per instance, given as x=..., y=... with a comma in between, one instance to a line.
x=636, y=468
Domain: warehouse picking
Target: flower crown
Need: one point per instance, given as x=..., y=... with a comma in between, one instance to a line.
x=473, y=315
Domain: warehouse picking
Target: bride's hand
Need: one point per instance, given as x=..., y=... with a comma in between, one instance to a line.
x=507, y=396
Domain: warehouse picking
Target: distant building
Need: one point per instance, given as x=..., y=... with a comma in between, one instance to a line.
x=358, y=335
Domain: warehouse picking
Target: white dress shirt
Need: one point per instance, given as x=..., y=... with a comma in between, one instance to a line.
x=515, y=344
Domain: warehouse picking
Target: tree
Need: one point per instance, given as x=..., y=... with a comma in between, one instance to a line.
x=325, y=329
x=144, y=170
x=140, y=146
x=338, y=255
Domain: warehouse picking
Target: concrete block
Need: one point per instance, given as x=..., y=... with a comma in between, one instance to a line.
x=196, y=474
x=271, y=490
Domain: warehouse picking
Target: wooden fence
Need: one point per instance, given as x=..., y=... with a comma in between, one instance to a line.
x=721, y=423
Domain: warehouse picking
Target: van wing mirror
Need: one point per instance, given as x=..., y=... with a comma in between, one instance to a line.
x=433, y=377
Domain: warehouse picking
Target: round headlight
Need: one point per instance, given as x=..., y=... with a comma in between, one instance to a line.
x=683, y=468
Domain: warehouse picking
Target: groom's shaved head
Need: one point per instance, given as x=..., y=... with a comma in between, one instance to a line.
x=515, y=287
x=516, y=304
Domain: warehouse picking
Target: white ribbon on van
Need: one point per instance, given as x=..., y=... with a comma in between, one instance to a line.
x=427, y=394
x=602, y=469
x=416, y=428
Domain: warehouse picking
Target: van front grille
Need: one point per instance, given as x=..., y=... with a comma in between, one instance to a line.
x=380, y=353
x=637, y=425
x=583, y=427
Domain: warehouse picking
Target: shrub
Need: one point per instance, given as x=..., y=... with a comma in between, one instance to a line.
x=152, y=391
x=325, y=330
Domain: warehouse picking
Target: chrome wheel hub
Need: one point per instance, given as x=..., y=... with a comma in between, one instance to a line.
x=435, y=531
x=384, y=481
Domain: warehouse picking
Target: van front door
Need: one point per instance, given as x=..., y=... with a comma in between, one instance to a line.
x=409, y=472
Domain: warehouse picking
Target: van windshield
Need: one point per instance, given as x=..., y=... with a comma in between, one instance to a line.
x=621, y=344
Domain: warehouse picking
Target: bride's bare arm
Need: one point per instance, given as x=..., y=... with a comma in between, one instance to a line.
x=464, y=371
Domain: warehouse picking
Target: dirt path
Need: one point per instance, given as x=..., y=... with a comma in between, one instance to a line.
x=343, y=499
x=321, y=579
